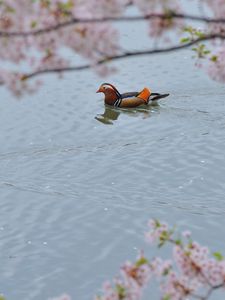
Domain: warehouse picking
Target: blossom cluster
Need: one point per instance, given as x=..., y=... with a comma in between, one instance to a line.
x=30, y=53
x=28, y=46
x=190, y=273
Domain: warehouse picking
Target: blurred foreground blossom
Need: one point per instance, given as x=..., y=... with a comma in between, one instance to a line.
x=191, y=272
x=34, y=35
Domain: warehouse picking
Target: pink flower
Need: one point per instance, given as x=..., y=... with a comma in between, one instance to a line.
x=138, y=274
x=186, y=234
x=86, y=43
x=177, y=287
x=216, y=68
x=158, y=231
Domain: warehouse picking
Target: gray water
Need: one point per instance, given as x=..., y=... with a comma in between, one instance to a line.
x=78, y=181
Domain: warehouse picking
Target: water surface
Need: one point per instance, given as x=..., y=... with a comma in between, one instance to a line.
x=78, y=182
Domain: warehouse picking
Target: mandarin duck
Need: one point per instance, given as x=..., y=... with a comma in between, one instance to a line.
x=130, y=99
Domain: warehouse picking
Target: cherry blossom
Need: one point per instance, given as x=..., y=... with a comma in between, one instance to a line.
x=41, y=31
x=216, y=67
x=192, y=272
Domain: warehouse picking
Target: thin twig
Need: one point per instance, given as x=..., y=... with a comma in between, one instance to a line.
x=215, y=287
x=211, y=287
x=126, y=55
x=74, y=21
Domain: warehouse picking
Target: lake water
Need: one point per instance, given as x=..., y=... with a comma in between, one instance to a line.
x=78, y=182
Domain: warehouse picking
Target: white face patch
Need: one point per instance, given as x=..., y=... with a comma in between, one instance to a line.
x=106, y=86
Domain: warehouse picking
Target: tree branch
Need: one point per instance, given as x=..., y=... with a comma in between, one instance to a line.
x=127, y=54
x=74, y=21
x=215, y=287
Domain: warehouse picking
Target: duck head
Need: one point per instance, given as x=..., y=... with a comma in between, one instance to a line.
x=110, y=92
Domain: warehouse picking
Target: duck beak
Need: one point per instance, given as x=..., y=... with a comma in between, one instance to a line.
x=99, y=90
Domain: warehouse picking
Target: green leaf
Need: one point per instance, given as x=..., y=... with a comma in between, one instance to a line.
x=185, y=40
x=189, y=29
x=166, y=271
x=121, y=291
x=187, y=253
x=157, y=223
x=141, y=261
x=218, y=256
x=2, y=298
x=201, y=47
x=33, y=24
x=199, y=34
x=214, y=58
x=66, y=6
x=178, y=242
x=166, y=297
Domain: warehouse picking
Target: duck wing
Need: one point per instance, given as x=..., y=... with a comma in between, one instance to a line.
x=129, y=94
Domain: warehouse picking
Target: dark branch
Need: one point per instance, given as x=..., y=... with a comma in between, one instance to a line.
x=74, y=21
x=127, y=54
x=213, y=288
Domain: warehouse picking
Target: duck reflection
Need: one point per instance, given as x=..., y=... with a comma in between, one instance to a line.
x=111, y=114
